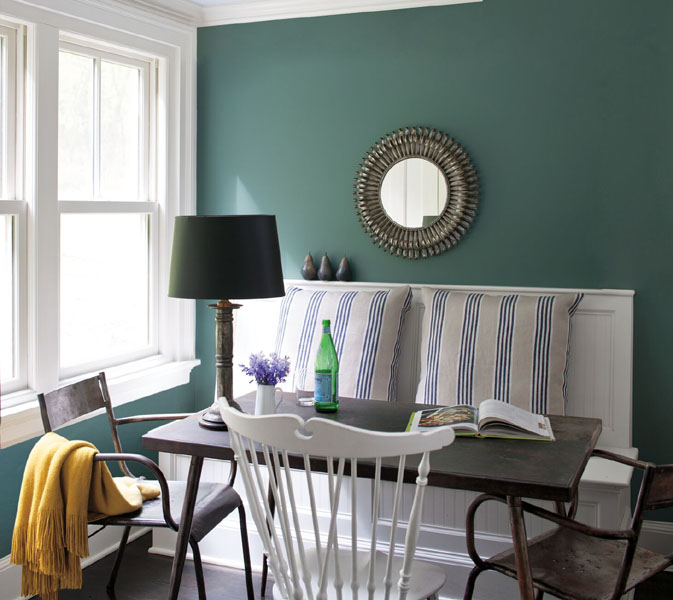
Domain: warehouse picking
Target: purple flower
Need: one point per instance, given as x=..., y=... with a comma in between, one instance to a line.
x=267, y=371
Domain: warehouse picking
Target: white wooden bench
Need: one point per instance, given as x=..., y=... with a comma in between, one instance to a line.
x=600, y=373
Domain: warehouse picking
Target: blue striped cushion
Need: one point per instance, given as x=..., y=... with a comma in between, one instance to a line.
x=366, y=328
x=512, y=348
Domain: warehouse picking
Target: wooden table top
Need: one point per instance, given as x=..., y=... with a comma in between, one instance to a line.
x=532, y=469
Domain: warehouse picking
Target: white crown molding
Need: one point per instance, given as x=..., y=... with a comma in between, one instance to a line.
x=181, y=11
x=177, y=13
x=247, y=11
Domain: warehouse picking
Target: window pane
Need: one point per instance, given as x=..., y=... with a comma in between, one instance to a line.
x=75, y=127
x=7, y=288
x=104, y=286
x=119, y=131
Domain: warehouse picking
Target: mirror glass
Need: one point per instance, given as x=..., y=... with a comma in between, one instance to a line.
x=414, y=192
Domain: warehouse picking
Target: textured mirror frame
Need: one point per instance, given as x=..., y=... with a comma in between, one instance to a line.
x=459, y=211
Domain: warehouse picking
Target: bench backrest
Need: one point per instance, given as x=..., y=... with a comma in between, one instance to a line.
x=601, y=348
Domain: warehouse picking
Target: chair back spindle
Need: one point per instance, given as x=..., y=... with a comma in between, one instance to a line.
x=320, y=563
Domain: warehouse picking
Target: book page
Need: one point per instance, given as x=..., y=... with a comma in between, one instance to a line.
x=494, y=412
x=459, y=418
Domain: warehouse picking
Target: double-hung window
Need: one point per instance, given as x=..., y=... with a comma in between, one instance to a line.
x=108, y=211
x=96, y=159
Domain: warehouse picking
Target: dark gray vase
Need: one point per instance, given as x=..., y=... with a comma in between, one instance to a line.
x=344, y=271
x=308, y=271
x=325, y=272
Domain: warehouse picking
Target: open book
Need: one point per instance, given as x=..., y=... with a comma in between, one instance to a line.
x=493, y=418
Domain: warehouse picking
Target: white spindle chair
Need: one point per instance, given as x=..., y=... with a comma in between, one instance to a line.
x=319, y=565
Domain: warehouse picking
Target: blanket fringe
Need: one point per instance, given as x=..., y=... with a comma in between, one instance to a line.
x=18, y=554
x=76, y=534
x=45, y=542
x=72, y=578
x=36, y=583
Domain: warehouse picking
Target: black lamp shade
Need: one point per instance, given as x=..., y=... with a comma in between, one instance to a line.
x=223, y=257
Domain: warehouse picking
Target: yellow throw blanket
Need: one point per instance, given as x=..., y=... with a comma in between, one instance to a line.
x=63, y=488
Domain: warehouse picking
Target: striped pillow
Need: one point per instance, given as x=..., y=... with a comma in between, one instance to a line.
x=512, y=348
x=366, y=328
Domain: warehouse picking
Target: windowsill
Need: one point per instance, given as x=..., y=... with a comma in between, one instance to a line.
x=21, y=421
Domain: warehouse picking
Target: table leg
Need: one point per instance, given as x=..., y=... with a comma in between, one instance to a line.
x=185, y=526
x=520, y=540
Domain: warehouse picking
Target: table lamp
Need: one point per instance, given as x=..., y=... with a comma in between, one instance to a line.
x=219, y=258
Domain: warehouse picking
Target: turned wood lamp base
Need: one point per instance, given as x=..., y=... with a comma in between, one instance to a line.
x=224, y=354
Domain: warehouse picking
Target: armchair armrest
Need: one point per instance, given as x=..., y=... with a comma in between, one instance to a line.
x=615, y=534
x=625, y=460
x=152, y=466
x=159, y=417
x=611, y=534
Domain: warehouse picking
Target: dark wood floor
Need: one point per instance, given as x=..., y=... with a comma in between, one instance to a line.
x=145, y=577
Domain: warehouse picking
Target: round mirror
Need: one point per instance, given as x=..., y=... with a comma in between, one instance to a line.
x=414, y=192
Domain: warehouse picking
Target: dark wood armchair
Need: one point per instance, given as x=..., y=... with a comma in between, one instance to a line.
x=577, y=562
x=215, y=501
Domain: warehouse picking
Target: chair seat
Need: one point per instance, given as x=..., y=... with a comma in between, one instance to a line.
x=582, y=566
x=214, y=502
x=426, y=578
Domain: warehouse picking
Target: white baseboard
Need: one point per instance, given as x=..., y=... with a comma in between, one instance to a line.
x=657, y=536
x=100, y=545
x=222, y=547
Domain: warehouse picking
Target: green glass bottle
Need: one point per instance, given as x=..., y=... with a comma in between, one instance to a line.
x=326, y=373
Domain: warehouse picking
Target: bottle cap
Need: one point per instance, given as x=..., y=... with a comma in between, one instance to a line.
x=325, y=322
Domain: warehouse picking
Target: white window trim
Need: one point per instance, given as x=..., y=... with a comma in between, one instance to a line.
x=117, y=24
x=11, y=56
x=14, y=203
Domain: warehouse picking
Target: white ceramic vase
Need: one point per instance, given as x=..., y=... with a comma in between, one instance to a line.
x=265, y=401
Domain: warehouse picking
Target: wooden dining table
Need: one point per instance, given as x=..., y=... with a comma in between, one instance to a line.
x=512, y=469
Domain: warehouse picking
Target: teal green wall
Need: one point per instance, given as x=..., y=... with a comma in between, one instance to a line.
x=566, y=107
x=95, y=430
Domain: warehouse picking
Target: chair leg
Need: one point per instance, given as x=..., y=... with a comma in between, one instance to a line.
x=265, y=573
x=539, y=594
x=246, y=553
x=471, y=580
x=198, y=567
x=118, y=559
x=265, y=557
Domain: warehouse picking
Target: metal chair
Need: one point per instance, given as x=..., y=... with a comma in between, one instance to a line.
x=214, y=502
x=309, y=563
x=575, y=561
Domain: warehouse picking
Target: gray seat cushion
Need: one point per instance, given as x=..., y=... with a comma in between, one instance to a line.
x=213, y=503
